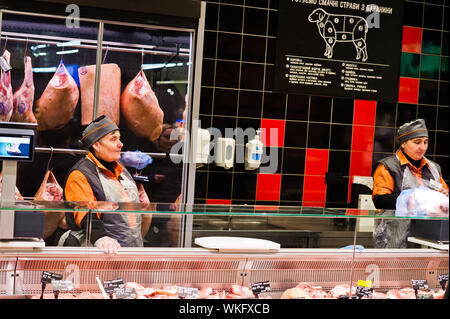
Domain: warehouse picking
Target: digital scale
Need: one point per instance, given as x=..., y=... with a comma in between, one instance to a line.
x=17, y=142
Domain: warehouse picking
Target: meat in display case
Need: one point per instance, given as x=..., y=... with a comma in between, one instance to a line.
x=219, y=272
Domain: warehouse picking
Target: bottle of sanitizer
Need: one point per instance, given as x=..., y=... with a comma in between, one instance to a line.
x=253, y=152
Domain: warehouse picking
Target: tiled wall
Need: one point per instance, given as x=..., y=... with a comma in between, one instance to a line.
x=317, y=134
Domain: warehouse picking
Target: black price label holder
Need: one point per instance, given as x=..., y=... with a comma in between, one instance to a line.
x=259, y=287
x=187, y=292
x=443, y=279
x=364, y=292
x=61, y=285
x=125, y=293
x=111, y=285
x=47, y=278
x=419, y=284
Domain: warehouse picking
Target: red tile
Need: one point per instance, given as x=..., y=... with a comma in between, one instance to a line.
x=409, y=90
x=314, y=191
x=364, y=112
x=316, y=162
x=412, y=40
x=268, y=187
x=362, y=138
x=272, y=132
x=360, y=165
x=218, y=201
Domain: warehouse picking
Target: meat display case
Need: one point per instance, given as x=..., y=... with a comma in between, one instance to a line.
x=198, y=267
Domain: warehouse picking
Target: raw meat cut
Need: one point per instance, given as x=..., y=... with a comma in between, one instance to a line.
x=341, y=290
x=109, y=98
x=304, y=291
x=24, y=97
x=55, y=107
x=6, y=95
x=405, y=293
x=140, y=108
x=241, y=291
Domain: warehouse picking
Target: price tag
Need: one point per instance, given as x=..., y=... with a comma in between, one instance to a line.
x=259, y=287
x=419, y=284
x=62, y=285
x=110, y=285
x=364, y=292
x=125, y=293
x=366, y=283
x=4, y=64
x=47, y=277
x=443, y=279
x=187, y=292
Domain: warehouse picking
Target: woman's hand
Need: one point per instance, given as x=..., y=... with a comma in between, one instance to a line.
x=108, y=245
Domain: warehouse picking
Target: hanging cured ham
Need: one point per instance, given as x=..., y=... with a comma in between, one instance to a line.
x=140, y=108
x=6, y=94
x=109, y=99
x=24, y=97
x=55, y=107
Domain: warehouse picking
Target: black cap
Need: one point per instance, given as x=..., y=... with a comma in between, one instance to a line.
x=413, y=129
x=97, y=129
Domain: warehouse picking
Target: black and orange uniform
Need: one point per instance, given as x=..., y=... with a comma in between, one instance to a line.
x=389, y=178
x=92, y=179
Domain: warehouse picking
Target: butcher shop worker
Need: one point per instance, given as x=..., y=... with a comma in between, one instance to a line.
x=408, y=168
x=100, y=177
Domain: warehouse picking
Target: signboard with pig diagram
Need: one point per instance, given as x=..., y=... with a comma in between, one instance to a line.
x=339, y=48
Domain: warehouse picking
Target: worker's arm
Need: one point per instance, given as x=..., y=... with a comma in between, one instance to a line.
x=78, y=189
x=383, y=195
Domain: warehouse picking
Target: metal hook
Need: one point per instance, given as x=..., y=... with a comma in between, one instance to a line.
x=6, y=41
x=50, y=159
x=104, y=58
x=25, y=51
x=142, y=57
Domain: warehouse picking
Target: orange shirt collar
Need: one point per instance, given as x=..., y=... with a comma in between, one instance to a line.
x=404, y=160
x=117, y=169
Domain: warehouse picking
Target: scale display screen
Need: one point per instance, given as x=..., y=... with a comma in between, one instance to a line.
x=16, y=147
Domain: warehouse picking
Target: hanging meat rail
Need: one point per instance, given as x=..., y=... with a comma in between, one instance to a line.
x=92, y=44
x=85, y=152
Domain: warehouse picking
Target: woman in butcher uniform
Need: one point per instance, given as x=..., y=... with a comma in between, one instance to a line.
x=100, y=177
x=408, y=168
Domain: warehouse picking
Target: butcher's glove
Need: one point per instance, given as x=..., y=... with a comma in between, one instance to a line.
x=108, y=245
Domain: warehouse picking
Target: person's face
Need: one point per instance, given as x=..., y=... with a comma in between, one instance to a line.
x=416, y=147
x=108, y=147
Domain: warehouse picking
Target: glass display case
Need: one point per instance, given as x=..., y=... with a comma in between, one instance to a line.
x=318, y=269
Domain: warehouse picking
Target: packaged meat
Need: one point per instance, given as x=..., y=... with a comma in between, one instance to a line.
x=55, y=107
x=140, y=108
x=421, y=201
x=24, y=97
x=6, y=94
x=50, y=189
x=109, y=96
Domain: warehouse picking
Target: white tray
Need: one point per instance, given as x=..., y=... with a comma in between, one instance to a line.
x=237, y=244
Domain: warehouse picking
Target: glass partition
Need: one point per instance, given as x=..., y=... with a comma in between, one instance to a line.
x=144, y=79
x=290, y=226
